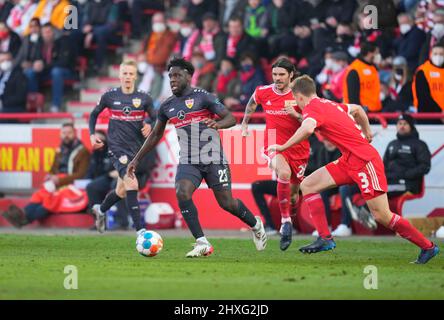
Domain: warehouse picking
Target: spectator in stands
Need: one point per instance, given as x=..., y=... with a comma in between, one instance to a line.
x=398, y=96
x=256, y=19
x=362, y=85
x=9, y=40
x=303, y=45
x=13, y=87
x=204, y=72
x=152, y=60
x=52, y=11
x=227, y=84
x=230, y=8
x=428, y=82
x=332, y=88
x=100, y=25
x=186, y=39
x=21, y=15
x=251, y=76
x=210, y=38
x=344, y=37
x=195, y=10
x=30, y=53
x=70, y=163
x=434, y=36
x=236, y=42
x=57, y=65
x=5, y=9
x=140, y=19
x=411, y=38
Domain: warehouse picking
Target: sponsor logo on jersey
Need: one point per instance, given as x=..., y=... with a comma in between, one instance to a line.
x=171, y=110
x=181, y=115
x=123, y=159
x=117, y=103
x=277, y=112
x=290, y=103
x=189, y=103
x=137, y=102
x=126, y=110
x=268, y=103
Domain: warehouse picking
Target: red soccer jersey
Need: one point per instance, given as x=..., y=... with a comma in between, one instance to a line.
x=336, y=124
x=280, y=126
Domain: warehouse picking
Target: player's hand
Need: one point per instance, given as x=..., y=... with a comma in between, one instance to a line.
x=369, y=136
x=131, y=169
x=292, y=112
x=96, y=143
x=245, y=132
x=274, y=148
x=211, y=123
x=146, y=130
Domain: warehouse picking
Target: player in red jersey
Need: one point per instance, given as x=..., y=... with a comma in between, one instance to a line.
x=281, y=115
x=360, y=163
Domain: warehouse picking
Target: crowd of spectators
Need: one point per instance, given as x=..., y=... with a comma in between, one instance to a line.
x=232, y=44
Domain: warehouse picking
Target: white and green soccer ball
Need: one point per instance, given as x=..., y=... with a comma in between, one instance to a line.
x=149, y=243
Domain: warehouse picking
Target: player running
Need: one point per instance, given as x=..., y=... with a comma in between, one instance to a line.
x=191, y=111
x=127, y=129
x=282, y=121
x=360, y=163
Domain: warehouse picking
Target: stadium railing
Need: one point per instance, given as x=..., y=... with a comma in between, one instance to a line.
x=36, y=116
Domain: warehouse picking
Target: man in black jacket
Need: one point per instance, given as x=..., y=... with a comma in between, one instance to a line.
x=13, y=88
x=407, y=159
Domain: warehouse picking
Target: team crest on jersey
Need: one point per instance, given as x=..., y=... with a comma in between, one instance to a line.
x=123, y=159
x=137, y=102
x=189, y=103
x=290, y=103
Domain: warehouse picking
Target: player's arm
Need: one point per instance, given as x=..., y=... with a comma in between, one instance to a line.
x=358, y=113
x=149, y=144
x=306, y=129
x=249, y=110
x=96, y=143
x=227, y=120
x=148, y=122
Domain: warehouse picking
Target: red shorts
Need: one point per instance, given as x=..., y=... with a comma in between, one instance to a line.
x=297, y=166
x=368, y=175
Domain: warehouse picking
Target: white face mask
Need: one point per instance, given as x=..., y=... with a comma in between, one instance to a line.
x=142, y=67
x=328, y=63
x=382, y=96
x=34, y=37
x=186, y=32
x=336, y=67
x=24, y=2
x=159, y=27
x=377, y=59
x=438, y=30
x=6, y=65
x=404, y=28
x=437, y=60
x=398, y=77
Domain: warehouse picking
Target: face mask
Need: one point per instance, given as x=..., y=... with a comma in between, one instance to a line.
x=377, y=59
x=24, y=2
x=437, y=60
x=81, y=1
x=199, y=64
x=210, y=55
x=438, y=30
x=404, y=28
x=247, y=67
x=142, y=67
x=159, y=27
x=336, y=67
x=328, y=63
x=34, y=37
x=382, y=96
x=6, y=65
x=186, y=32
x=398, y=77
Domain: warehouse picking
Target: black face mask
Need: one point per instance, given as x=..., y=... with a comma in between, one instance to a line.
x=345, y=38
x=399, y=72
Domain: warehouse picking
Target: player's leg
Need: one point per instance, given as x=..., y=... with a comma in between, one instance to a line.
x=380, y=209
x=311, y=187
x=132, y=203
x=218, y=178
x=283, y=171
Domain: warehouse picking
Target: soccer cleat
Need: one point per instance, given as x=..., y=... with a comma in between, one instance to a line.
x=286, y=232
x=361, y=214
x=100, y=218
x=15, y=216
x=342, y=231
x=440, y=232
x=260, y=236
x=319, y=245
x=200, y=249
x=426, y=255
x=270, y=231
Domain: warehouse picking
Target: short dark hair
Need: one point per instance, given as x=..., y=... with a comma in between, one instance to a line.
x=36, y=20
x=439, y=44
x=68, y=124
x=368, y=47
x=182, y=64
x=287, y=65
x=48, y=25
x=304, y=85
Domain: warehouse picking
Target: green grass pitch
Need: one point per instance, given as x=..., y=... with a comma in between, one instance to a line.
x=31, y=267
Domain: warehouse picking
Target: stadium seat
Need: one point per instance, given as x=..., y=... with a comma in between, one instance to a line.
x=35, y=102
x=397, y=203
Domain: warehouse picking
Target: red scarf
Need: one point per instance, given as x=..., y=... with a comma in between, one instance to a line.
x=247, y=75
x=223, y=81
x=232, y=46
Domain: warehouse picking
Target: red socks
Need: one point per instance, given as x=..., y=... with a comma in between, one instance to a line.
x=407, y=231
x=283, y=195
x=317, y=212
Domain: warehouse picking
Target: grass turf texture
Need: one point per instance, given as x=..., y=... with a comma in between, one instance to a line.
x=31, y=267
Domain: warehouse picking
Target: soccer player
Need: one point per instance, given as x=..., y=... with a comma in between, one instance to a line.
x=360, y=163
x=281, y=123
x=192, y=112
x=128, y=127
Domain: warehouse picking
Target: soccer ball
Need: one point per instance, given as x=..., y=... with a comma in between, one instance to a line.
x=149, y=244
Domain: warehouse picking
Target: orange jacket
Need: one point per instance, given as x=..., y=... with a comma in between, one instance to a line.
x=58, y=13
x=435, y=80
